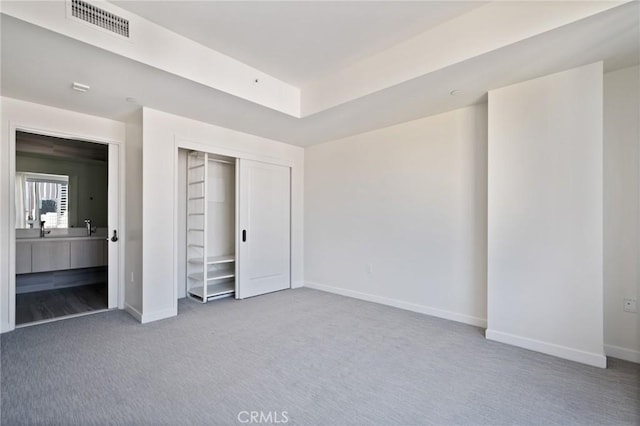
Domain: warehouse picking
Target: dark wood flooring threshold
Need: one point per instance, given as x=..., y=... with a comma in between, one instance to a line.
x=44, y=305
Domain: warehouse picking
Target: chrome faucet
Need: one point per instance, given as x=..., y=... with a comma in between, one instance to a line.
x=90, y=230
x=42, y=231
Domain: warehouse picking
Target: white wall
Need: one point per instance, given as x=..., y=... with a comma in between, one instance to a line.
x=621, y=211
x=221, y=209
x=133, y=208
x=162, y=135
x=44, y=120
x=398, y=215
x=545, y=216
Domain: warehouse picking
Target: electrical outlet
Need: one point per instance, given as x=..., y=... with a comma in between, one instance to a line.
x=631, y=305
x=369, y=268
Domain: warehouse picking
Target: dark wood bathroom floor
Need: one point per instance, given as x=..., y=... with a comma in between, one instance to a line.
x=43, y=305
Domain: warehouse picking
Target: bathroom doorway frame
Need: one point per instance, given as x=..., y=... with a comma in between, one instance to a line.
x=116, y=174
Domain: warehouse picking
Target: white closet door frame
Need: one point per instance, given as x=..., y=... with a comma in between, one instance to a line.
x=214, y=148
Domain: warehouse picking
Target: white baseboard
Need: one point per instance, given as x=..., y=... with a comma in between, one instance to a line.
x=159, y=315
x=594, y=359
x=297, y=284
x=133, y=312
x=414, y=307
x=622, y=353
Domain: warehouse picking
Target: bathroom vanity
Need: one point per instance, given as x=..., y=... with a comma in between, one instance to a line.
x=63, y=258
x=60, y=253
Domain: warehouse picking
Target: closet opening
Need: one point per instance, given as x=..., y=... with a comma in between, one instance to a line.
x=61, y=220
x=210, y=209
x=233, y=226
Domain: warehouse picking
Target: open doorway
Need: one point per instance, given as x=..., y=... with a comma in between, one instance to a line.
x=62, y=222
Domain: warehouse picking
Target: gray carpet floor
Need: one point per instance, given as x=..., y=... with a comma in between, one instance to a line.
x=321, y=358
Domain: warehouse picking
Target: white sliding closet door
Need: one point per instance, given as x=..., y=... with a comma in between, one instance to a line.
x=264, y=227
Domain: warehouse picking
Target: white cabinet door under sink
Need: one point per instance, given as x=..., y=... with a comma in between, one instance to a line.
x=50, y=256
x=87, y=253
x=23, y=257
x=264, y=227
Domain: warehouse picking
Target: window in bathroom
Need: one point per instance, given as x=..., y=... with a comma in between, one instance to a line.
x=42, y=197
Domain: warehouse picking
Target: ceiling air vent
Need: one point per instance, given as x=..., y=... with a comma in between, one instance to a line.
x=100, y=17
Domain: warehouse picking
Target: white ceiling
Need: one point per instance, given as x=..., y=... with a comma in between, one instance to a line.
x=38, y=65
x=298, y=41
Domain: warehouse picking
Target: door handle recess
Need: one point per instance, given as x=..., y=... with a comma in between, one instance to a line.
x=244, y=235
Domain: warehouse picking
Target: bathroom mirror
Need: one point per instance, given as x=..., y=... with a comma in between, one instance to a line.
x=42, y=197
x=59, y=181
